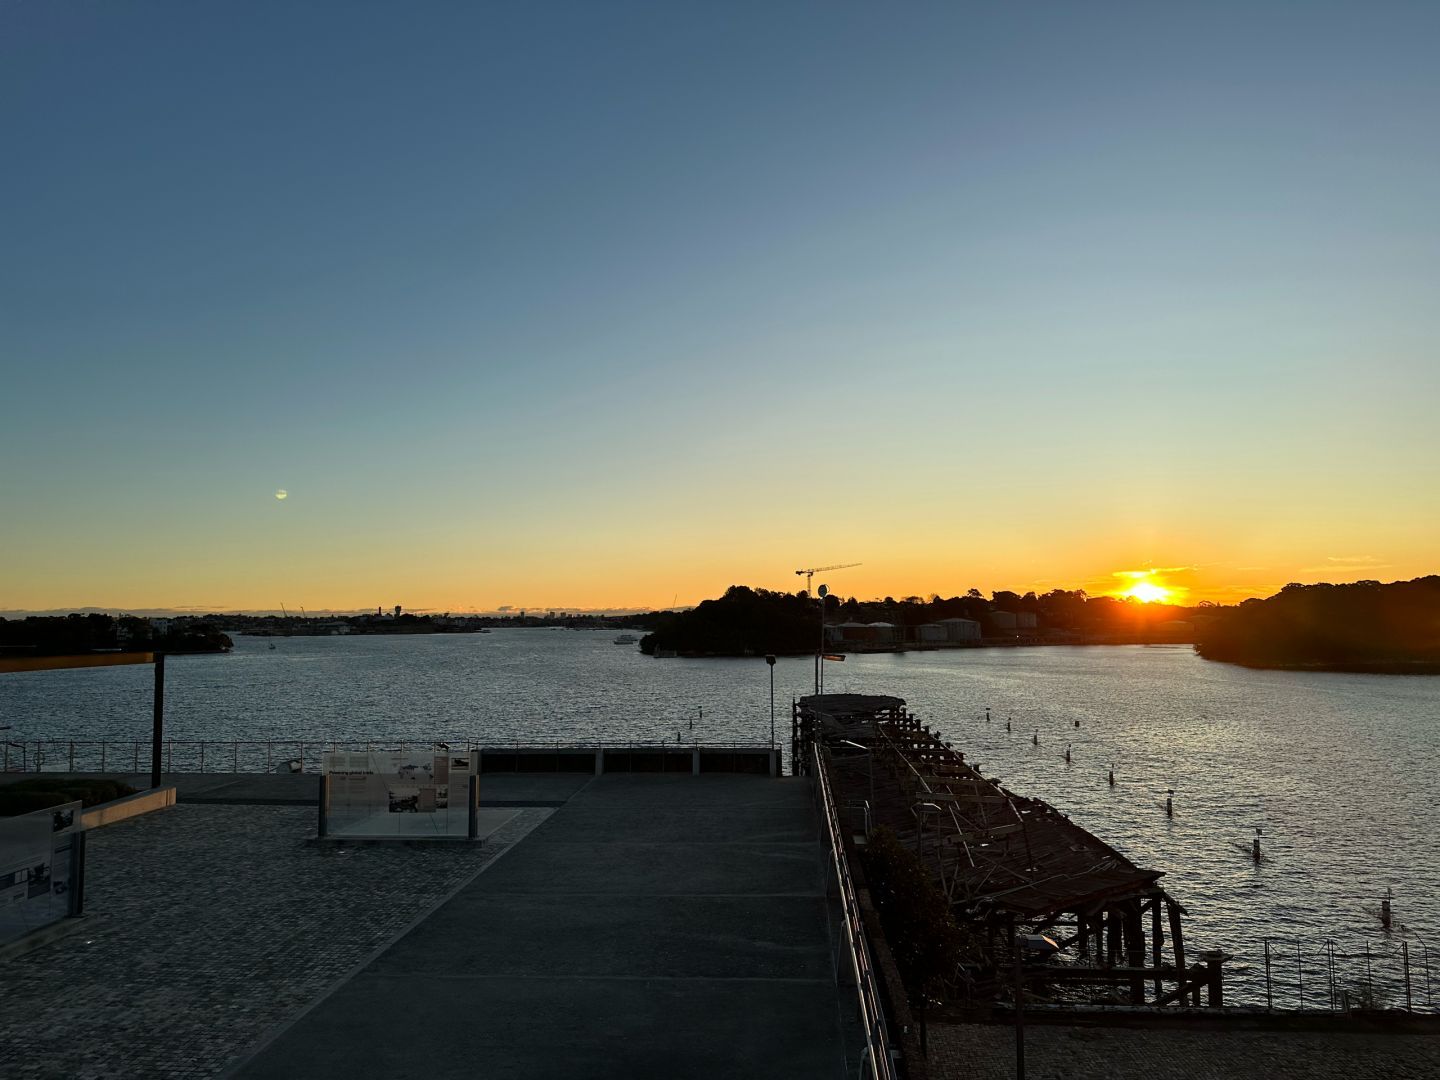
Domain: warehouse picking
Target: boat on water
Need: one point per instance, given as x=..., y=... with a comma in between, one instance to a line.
x=626, y=639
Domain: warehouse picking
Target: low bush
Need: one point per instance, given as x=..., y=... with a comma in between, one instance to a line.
x=37, y=793
x=928, y=945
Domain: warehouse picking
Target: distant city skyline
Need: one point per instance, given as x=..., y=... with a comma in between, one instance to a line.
x=452, y=304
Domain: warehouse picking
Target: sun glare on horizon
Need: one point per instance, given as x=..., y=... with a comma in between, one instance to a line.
x=1147, y=592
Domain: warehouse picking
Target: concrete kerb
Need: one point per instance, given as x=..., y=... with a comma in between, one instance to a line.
x=142, y=802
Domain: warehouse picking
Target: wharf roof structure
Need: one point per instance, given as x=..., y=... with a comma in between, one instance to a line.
x=995, y=853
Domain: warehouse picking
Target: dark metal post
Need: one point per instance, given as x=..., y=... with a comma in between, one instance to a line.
x=157, y=732
x=1425, y=955
x=77, y=873
x=770, y=660
x=1405, y=958
x=1269, y=995
x=1369, y=985
x=473, y=802
x=1330, y=970
x=323, y=827
x=1300, y=974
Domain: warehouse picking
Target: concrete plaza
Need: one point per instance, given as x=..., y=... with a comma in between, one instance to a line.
x=627, y=924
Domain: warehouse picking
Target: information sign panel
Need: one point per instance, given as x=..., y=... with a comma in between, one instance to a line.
x=399, y=792
x=35, y=868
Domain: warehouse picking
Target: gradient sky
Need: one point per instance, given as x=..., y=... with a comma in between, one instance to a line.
x=606, y=304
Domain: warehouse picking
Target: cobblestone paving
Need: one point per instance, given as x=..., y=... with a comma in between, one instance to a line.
x=207, y=926
x=986, y=1052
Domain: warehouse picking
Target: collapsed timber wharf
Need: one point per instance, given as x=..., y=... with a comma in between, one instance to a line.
x=1034, y=909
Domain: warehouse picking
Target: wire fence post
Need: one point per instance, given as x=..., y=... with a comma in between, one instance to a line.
x=1269, y=996
x=202, y=755
x=102, y=755
x=1330, y=970
x=1369, y=985
x=235, y=757
x=1425, y=955
x=1405, y=959
x=1300, y=970
x=72, y=756
x=135, y=766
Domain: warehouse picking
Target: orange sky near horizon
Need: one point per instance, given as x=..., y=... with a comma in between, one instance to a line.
x=446, y=573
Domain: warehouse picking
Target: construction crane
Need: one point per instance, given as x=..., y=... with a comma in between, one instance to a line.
x=810, y=574
x=812, y=571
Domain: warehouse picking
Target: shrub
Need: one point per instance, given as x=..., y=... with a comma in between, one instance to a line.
x=928, y=945
x=37, y=793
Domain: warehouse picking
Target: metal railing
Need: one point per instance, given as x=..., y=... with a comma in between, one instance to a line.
x=1382, y=974
x=287, y=755
x=876, y=1061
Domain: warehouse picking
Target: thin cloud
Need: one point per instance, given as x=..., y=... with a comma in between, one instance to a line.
x=1152, y=571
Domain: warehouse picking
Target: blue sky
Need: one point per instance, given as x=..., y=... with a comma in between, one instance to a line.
x=598, y=303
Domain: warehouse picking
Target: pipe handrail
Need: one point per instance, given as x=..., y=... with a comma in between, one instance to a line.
x=876, y=1061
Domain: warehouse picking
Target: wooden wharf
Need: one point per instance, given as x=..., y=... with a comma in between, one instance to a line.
x=1010, y=868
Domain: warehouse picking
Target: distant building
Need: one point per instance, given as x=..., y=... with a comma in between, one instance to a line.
x=960, y=629
x=1025, y=620
x=1003, y=620
x=849, y=633
x=931, y=632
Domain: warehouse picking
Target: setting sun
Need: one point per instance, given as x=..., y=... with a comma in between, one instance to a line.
x=1147, y=592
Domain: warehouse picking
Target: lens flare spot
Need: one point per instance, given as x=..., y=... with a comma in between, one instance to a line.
x=282, y=494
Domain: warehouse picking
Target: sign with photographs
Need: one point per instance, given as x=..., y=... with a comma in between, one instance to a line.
x=35, y=868
x=373, y=792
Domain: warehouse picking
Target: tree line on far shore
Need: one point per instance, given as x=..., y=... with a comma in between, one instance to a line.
x=67, y=635
x=1364, y=626
x=746, y=621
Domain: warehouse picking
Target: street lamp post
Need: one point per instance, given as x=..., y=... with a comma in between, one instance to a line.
x=770, y=660
x=822, y=592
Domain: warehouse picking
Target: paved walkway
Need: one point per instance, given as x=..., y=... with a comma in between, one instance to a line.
x=654, y=926
x=205, y=927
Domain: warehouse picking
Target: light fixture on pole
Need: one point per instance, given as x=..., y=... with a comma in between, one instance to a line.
x=822, y=592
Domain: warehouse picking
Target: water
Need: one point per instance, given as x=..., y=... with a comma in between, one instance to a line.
x=1342, y=772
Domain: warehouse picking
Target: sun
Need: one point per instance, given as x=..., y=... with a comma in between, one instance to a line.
x=1147, y=592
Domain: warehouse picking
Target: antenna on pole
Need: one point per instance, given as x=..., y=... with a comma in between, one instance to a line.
x=809, y=574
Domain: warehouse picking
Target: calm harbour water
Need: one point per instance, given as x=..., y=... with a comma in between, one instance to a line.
x=1341, y=771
